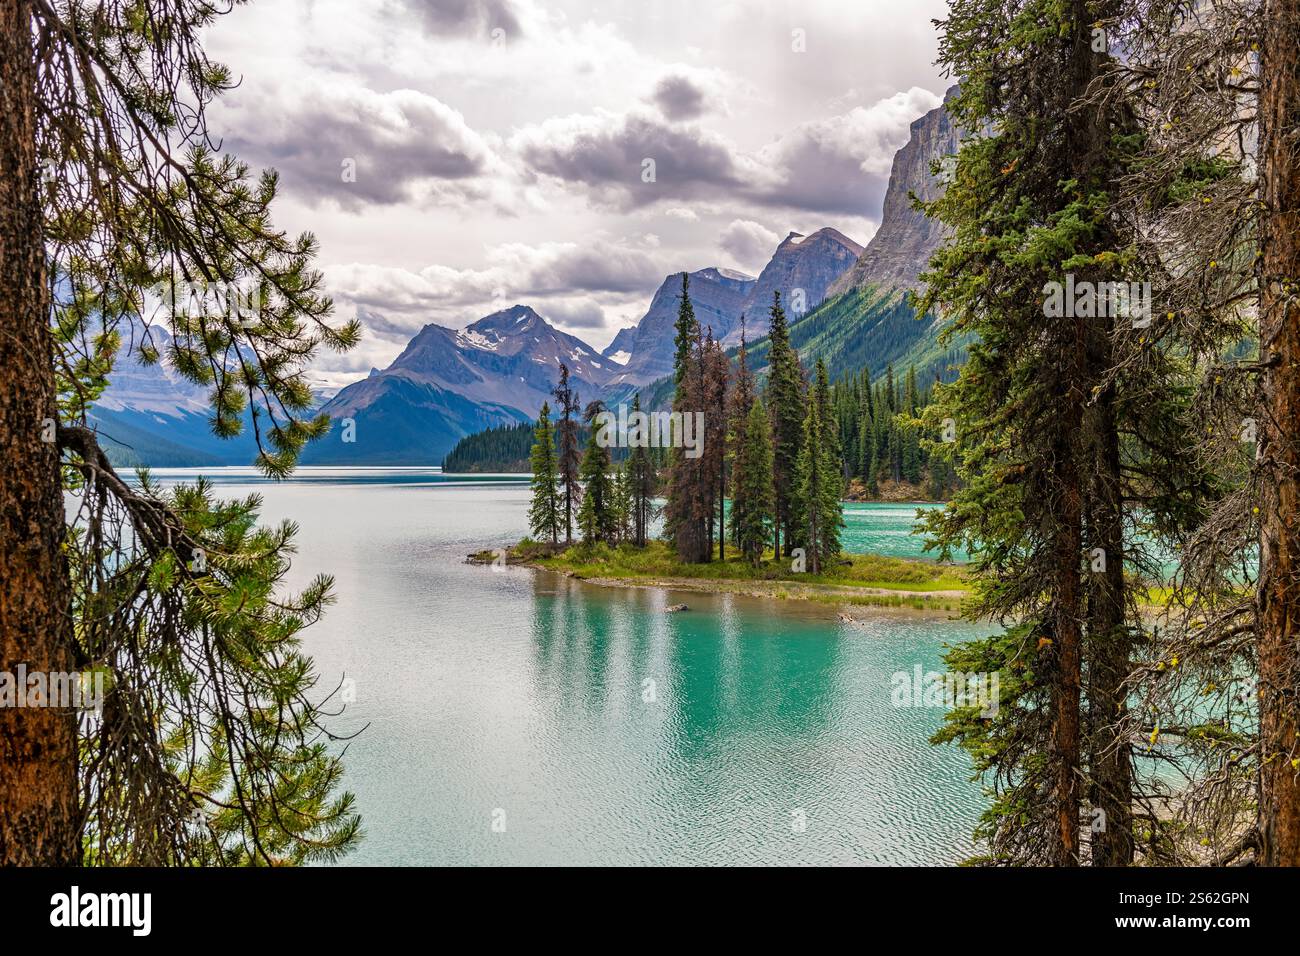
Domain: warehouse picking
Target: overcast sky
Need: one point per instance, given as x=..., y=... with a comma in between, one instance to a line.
x=455, y=157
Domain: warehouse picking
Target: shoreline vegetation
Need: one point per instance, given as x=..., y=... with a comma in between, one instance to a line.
x=855, y=581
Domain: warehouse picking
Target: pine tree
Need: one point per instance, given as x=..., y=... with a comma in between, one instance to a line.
x=567, y=463
x=785, y=400
x=623, y=504
x=544, y=513
x=111, y=192
x=688, y=508
x=641, y=472
x=752, y=500
x=596, y=517
x=819, y=483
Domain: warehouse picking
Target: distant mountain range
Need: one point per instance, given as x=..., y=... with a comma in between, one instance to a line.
x=847, y=304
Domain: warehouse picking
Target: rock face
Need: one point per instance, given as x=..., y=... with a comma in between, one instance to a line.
x=902, y=246
x=646, y=350
x=802, y=268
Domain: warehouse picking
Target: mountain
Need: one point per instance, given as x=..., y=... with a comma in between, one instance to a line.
x=802, y=269
x=448, y=383
x=151, y=415
x=906, y=239
x=866, y=320
x=804, y=266
x=645, y=352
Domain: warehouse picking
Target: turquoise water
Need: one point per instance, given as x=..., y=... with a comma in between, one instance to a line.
x=885, y=529
x=590, y=725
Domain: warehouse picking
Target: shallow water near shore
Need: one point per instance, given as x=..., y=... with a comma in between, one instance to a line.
x=519, y=717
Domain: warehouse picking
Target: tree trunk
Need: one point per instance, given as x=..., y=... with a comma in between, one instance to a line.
x=1279, y=319
x=1068, y=640
x=38, y=753
x=1109, y=753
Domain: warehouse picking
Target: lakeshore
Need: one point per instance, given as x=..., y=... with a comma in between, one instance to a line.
x=856, y=582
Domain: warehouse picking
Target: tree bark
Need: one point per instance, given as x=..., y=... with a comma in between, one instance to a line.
x=1068, y=653
x=1109, y=753
x=1279, y=319
x=38, y=753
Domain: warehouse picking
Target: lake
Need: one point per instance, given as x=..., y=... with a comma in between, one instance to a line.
x=516, y=717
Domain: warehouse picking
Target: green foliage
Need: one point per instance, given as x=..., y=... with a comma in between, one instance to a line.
x=785, y=400
x=211, y=748
x=544, y=514
x=817, y=509
x=597, y=518
x=751, y=489
x=503, y=448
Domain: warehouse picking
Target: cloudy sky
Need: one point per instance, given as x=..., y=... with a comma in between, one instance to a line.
x=455, y=157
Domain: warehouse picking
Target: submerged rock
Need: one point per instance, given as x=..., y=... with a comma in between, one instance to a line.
x=673, y=609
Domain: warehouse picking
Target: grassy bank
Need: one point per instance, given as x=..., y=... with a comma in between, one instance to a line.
x=858, y=579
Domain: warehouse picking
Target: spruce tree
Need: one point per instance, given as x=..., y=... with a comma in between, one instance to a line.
x=641, y=471
x=544, y=512
x=596, y=517
x=623, y=503
x=751, y=485
x=567, y=463
x=1031, y=202
x=816, y=503
x=690, y=485
x=739, y=404
x=785, y=401
x=685, y=332
x=717, y=386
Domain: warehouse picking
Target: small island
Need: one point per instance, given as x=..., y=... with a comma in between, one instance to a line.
x=854, y=580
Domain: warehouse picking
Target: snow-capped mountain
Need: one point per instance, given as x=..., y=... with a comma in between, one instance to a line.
x=448, y=383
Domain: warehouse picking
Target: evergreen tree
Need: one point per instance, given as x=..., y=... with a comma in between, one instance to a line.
x=568, y=462
x=686, y=331
x=210, y=715
x=544, y=513
x=717, y=386
x=623, y=503
x=819, y=482
x=1279, y=334
x=739, y=405
x=1036, y=407
x=596, y=517
x=688, y=508
x=785, y=400
x=641, y=473
x=752, y=500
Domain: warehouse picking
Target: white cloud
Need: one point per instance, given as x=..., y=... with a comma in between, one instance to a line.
x=748, y=243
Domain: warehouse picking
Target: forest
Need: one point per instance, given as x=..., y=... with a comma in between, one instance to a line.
x=880, y=439
x=1126, y=482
